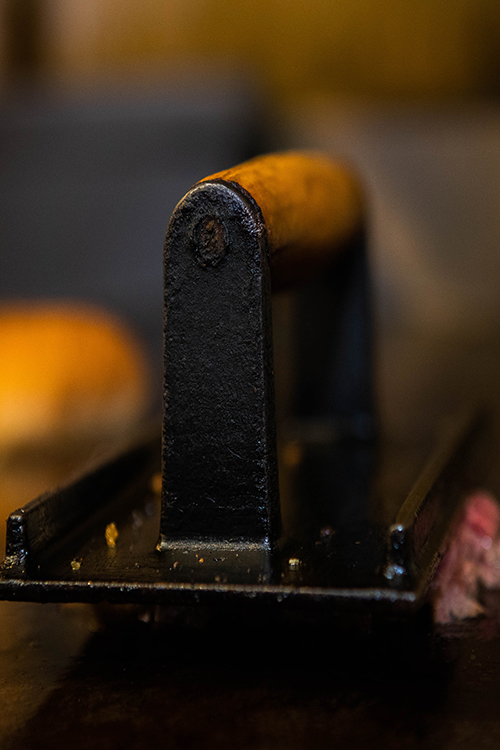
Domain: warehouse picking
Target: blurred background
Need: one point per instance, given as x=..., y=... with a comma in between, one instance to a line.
x=111, y=109
x=432, y=49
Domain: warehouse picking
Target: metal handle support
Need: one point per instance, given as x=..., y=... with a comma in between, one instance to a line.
x=220, y=483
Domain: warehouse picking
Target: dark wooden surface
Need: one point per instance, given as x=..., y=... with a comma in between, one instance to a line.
x=224, y=684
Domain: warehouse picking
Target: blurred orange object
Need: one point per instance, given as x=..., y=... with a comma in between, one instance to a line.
x=68, y=372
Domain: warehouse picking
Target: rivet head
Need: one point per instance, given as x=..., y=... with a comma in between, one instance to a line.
x=210, y=241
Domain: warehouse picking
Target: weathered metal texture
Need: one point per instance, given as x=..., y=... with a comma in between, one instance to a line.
x=220, y=483
x=70, y=511
x=219, y=448
x=324, y=569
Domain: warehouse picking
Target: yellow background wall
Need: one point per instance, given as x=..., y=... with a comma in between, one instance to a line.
x=389, y=47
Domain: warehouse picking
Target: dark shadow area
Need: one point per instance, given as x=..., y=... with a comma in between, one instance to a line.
x=230, y=678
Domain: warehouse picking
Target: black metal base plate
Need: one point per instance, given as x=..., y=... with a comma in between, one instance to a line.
x=345, y=543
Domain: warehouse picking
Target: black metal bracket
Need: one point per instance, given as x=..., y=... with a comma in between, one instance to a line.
x=220, y=482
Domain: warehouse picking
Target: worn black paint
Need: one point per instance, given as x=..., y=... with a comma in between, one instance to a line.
x=219, y=444
x=342, y=570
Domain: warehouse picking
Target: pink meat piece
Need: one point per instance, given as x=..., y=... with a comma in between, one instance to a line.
x=472, y=557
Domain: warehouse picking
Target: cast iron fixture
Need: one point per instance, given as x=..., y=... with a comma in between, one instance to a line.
x=222, y=531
